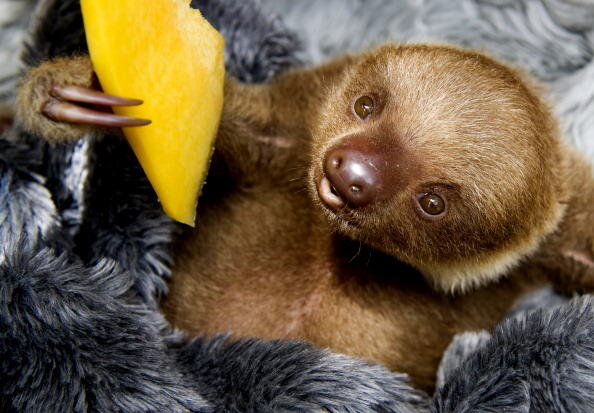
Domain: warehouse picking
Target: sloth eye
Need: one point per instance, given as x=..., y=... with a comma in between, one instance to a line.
x=364, y=107
x=431, y=204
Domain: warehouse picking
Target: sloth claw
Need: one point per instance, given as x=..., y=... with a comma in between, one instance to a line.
x=91, y=96
x=68, y=112
x=67, y=105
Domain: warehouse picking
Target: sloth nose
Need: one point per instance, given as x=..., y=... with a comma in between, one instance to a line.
x=355, y=177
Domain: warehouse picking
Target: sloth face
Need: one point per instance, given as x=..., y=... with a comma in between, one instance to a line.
x=440, y=157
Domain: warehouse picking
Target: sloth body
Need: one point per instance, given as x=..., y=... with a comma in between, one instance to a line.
x=290, y=276
x=376, y=205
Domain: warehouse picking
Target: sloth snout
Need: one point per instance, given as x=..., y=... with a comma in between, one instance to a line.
x=352, y=177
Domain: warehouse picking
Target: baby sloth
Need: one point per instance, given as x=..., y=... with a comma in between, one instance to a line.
x=376, y=205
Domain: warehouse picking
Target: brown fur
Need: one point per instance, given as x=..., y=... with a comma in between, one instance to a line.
x=6, y=116
x=269, y=260
x=37, y=86
x=5, y=124
x=287, y=282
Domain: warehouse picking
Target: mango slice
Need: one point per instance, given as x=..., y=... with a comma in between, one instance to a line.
x=167, y=54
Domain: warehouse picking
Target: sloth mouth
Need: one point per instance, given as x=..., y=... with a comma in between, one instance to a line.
x=329, y=195
x=333, y=189
x=336, y=209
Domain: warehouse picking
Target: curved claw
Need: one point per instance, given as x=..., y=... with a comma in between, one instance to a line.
x=68, y=112
x=96, y=97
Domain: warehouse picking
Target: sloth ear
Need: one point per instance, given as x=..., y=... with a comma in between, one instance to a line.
x=572, y=270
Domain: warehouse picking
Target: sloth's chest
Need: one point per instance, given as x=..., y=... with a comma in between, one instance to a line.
x=264, y=267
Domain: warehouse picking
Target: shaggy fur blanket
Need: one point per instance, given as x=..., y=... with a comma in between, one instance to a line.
x=84, y=254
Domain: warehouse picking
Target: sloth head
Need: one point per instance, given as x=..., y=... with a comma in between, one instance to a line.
x=443, y=158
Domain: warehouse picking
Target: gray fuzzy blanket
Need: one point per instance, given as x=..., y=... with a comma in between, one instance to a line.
x=85, y=254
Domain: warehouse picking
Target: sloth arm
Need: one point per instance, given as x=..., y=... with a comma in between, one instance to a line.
x=264, y=127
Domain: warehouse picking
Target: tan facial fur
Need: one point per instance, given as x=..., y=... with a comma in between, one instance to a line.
x=458, y=124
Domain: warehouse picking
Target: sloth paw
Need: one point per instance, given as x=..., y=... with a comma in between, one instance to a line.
x=60, y=100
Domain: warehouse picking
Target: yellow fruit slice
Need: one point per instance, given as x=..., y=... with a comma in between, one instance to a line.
x=167, y=54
